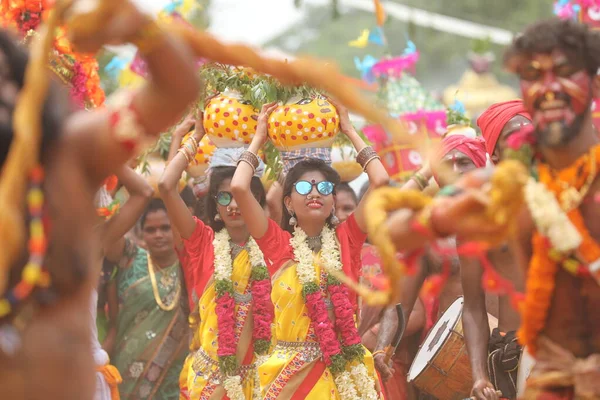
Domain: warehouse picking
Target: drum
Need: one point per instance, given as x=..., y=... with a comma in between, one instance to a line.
x=526, y=364
x=442, y=367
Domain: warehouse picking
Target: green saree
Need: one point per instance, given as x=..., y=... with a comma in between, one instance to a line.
x=151, y=343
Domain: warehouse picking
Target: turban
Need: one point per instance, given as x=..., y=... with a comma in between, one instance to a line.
x=473, y=148
x=493, y=120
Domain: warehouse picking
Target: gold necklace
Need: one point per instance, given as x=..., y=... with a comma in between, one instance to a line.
x=155, y=291
x=570, y=197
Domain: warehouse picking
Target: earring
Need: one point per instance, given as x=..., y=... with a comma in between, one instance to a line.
x=334, y=219
x=218, y=217
x=293, y=220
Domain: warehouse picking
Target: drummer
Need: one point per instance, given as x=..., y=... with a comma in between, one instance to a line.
x=458, y=155
x=501, y=350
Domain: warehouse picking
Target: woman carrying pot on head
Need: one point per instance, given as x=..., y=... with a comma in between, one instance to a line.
x=319, y=352
x=227, y=280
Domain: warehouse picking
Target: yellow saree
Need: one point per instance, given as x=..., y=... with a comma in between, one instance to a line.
x=202, y=366
x=295, y=369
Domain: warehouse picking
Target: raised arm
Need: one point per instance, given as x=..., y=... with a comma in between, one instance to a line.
x=140, y=193
x=251, y=210
x=477, y=331
x=168, y=186
x=387, y=330
x=378, y=176
x=172, y=87
x=178, y=134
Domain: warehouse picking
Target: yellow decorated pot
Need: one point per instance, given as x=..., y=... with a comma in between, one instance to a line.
x=304, y=122
x=343, y=160
x=230, y=121
x=199, y=165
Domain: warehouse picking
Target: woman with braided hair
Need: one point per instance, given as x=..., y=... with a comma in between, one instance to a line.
x=45, y=347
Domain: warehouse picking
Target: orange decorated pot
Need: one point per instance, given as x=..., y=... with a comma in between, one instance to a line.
x=343, y=160
x=230, y=121
x=304, y=122
x=199, y=165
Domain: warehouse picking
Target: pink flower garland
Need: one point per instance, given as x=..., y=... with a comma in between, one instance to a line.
x=263, y=314
x=317, y=311
x=226, y=321
x=344, y=314
x=78, y=88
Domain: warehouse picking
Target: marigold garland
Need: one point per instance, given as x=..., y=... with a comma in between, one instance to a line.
x=79, y=71
x=546, y=260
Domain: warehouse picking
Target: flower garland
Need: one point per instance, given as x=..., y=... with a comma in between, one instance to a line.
x=561, y=239
x=335, y=354
x=261, y=306
x=79, y=71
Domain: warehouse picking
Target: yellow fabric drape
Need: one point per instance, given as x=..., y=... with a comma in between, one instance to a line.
x=205, y=337
x=112, y=378
x=287, y=367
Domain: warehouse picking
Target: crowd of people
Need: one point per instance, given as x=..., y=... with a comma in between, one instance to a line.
x=236, y=292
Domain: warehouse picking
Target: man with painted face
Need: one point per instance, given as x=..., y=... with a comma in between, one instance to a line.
x=494, y=359
x=557, y=62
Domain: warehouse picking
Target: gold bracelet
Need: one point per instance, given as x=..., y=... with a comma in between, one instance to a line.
x=378, y=352
x=365, y=155
x=250, y=158
x=184, y=151
x=369, y=160
x=247, y=162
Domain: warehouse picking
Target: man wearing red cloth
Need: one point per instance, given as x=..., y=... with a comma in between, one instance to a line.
x=557, y=241
x=495, y=359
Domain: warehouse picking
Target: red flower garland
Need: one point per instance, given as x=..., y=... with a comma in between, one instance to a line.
x=263, y=311
x=317, y=312
x=344, y=315
x=226, y=322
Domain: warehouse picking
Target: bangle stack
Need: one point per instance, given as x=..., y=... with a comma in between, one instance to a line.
x=365, y=156
x=189, y=149
x=378, y=352
x=420, y=180
x=251, y=159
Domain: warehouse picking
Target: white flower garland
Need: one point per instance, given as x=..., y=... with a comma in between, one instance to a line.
x=346, y=387
x=233, y=388
x=346, y=382
x=223, y=271
x=550, y=220
x=363, y=382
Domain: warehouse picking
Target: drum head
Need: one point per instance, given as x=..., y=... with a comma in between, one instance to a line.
x=526, y=364
x=436, y=338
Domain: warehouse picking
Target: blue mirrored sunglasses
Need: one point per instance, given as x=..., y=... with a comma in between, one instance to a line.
x=305, y=187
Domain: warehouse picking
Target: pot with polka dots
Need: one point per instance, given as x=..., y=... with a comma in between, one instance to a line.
x=229, y=120
x=199, y=164
x=304, y=122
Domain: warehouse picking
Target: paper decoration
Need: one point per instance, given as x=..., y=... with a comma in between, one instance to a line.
x=362, y=41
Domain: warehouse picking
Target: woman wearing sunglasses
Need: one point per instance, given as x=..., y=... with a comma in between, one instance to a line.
x=227, y=279
x=319, y=354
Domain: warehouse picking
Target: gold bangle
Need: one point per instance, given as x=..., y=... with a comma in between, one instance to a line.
x=184, y=151
x=365, y=156
x=378, y=352
x=247, y=162
x=369, y=161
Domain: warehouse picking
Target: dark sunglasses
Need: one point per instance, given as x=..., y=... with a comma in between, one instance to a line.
x=305, y=187
x=224, y=198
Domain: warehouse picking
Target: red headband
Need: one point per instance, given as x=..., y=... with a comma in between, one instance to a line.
x=473, y=148
x=493, y=120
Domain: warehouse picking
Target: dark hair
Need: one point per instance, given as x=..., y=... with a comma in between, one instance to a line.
x=55, y=108
x=577, y=40
x=154, y=206
x=218, y=175
x=188, y=197
x=345, y=187
x=304, y=166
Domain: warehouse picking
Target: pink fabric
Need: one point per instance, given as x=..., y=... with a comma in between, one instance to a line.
x=493, y=120
x=275, y=245
x=197, y=258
